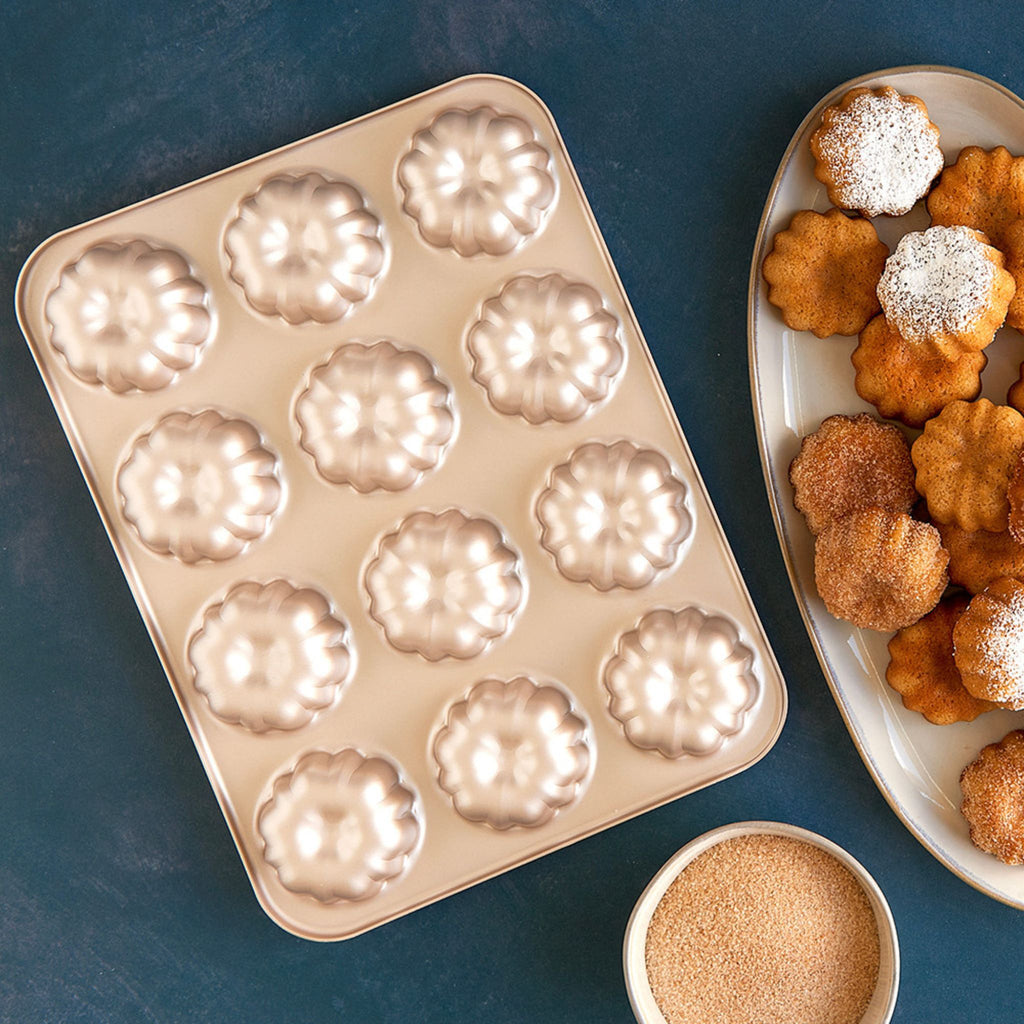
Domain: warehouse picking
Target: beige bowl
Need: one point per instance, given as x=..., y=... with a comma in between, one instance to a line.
x=645, y=1009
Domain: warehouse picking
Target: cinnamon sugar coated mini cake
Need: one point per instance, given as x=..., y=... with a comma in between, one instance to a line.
x=850, y=463
x=988, y=643
x=912, y=381
x=983, y=189
x=993, y=798
x=922, y=670
x=880, y=570
x=823, y=271
x=877, y=151
x=963, y=460
x=946, y=283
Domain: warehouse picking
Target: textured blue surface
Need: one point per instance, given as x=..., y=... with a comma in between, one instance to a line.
x=121, y=895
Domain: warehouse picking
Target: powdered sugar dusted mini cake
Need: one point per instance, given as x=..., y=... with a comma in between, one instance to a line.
x=877, y=151
x=946, y=284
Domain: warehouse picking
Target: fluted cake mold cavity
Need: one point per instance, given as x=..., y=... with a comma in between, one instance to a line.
x=305, y=248
x=512, y=753
x=129, y=316
x=477, y=181
x=339, y=826
x=271, y=655
x=614, y=515
x=444, y=584
x=389, y=470
x=545, y=348
x=681, y=682
x=375, y=415
x=200, y=486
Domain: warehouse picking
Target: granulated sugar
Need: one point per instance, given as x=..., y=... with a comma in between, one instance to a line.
x=763, y=929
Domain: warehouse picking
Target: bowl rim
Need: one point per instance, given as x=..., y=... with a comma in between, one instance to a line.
x=641, y=998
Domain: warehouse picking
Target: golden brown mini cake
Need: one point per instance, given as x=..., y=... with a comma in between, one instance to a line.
x=993, y=798
x=922, y=671
x=880, y=569
x=823, y=272
x=912, y=381
x=988, y=643
x=876, y=151
x=963, y=460
x=849, y=463
x=983, y=189
x=946, y=284
x=1015, y=499
x=977, y=557
x=1015, y=396
x=1012, y=248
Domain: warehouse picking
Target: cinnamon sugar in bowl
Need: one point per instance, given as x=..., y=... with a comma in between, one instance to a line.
x=762, y=921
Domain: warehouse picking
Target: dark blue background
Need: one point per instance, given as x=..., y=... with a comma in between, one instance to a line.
x=121, y=895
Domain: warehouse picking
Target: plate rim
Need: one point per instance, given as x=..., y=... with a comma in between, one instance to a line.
x=932, y=845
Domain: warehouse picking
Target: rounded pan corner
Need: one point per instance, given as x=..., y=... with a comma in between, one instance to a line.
x=982, y=878
x=302, y=931
x=27, y=270
x=303, y=928
x=504, y=82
